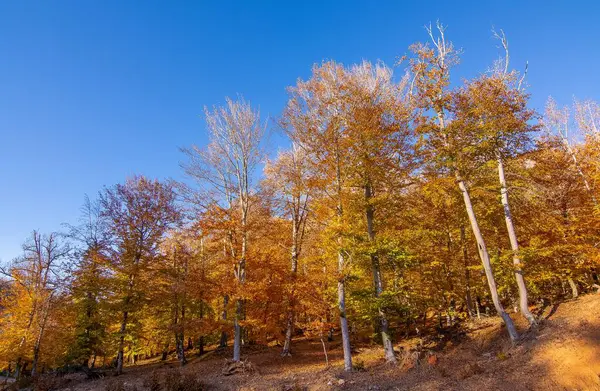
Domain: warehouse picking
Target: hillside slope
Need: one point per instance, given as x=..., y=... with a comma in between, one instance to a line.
x=562, y=354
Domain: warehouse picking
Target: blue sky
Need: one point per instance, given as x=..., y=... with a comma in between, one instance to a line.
x=94, y=91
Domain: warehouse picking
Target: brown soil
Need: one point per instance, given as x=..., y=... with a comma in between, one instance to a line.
x=562, y=354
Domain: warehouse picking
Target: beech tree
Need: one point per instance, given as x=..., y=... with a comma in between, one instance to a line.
x=314, y=114
x=36, y=280
x=140, y=212
x=448, y=142
x=495, y=109
x=377, y=122
x=89, y=282
x=228, y=164
x=289, y=179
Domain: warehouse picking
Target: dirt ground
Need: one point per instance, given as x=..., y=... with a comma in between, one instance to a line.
x=562, y=354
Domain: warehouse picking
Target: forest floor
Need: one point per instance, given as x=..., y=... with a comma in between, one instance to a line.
x=563, y=353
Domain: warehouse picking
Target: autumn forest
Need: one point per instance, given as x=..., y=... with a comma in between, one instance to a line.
x=408, y=202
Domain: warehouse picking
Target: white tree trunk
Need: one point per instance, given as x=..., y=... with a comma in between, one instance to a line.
x=485, y=259
x=342, y=310
x=388, y=347
x=342, y=276
x=514, y=244
x=287, y=346
x=574, y=290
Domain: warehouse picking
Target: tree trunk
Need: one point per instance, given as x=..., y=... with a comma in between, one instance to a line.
x=18, y=369
x=237, y=331
x=514, y=244
x=223, y=341
x=287, y=345
x=165, y=352
x=388, y=347
x=342, y=275
x=121, y=343
x=485, y=259
x=241, y=277
x=468, y=297
x=179, y=336
x=574, y=290
x=325, y=352
x=201, y=345
x=343, y=319
x=38, y=341
x=179, y=347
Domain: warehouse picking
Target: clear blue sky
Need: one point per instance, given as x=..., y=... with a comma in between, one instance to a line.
x=94, y=91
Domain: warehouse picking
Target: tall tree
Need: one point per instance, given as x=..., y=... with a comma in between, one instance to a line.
x=89, y=282
x=447, y=141
x=228, y=165
x=314, y=114
x=140, y=212
x=37, y=278
x=289, y=179
x=377, y=119
x=494, y=108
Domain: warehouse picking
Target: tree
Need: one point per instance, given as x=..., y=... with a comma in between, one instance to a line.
x=314, y=116
x=139, y=213
x=449, y=143
x=228, y=165
x=493, y=108
x=508, y=116
x=289, y=178
x=36, y=278
x=89, y=283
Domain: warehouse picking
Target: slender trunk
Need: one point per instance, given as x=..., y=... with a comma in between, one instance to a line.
x=201, y=338
x=223, y=341
x=18, y=369
x=485, y=259
x=287, y=345
x=342, y=276
x=121, y=343
x=388, y=347
x=165, y=352
x=342, y=314
x=241, y=274
x=468, y=297
x=201, y=345
x=514, y=244
x=179, y=337
x=237, y=331
x=179, y=347
x=325, y=352
x=239, y=310
x=574, y=290
x=38, y=340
